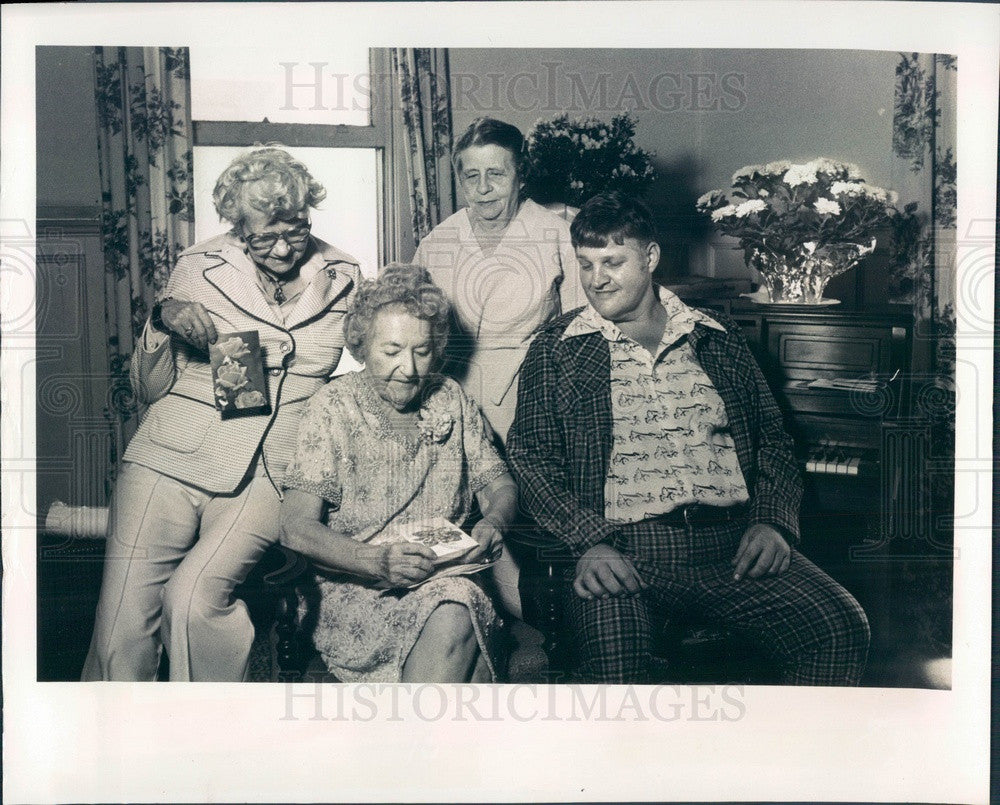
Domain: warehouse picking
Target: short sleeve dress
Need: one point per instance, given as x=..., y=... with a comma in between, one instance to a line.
x=374, y=477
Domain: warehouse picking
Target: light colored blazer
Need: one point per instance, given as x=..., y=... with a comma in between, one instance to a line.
x=182, y=434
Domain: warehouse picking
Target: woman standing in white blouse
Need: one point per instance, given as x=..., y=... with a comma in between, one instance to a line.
x=507, y=266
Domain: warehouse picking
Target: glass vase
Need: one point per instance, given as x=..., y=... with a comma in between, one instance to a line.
x=801, y=278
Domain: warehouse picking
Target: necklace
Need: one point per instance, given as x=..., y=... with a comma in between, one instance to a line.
x=279, y=286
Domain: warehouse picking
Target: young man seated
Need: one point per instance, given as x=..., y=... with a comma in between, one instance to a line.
x=647, y=442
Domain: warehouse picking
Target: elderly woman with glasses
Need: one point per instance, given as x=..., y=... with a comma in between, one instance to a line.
x=393, y=445
x=197, y=500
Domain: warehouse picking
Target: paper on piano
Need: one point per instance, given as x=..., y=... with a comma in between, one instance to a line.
x=845, y=384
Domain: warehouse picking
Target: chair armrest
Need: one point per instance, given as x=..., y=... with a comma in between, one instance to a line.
x=293, y=568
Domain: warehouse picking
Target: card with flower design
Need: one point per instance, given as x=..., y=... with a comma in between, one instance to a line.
x=445, y=539
x=238, y=375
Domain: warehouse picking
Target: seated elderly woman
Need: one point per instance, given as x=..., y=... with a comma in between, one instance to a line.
x=196, y=503
x=394, y=444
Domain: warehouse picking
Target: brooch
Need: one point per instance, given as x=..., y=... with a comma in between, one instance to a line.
x=434, y=426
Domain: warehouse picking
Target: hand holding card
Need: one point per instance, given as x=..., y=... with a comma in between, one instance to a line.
x=446, y=540
x=238, y=375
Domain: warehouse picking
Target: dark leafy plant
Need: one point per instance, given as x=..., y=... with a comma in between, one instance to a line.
x=571, y=160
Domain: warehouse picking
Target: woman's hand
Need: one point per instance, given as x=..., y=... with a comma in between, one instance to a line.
x=401, y=564
x=189, y=321
x=490, y=540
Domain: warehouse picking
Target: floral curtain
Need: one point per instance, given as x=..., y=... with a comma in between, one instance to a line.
x=421, y=131
x=147, y=205
x=923, y=142
x=924, y=274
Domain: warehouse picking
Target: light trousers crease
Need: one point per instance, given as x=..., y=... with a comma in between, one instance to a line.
x=175, y=553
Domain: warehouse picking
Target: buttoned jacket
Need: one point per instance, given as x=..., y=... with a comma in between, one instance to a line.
x=561, y=441
x=182, y=434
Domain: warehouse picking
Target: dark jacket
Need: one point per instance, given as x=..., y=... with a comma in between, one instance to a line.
x=560, y=443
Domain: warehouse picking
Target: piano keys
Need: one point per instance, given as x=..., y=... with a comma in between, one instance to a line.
x=840, y=377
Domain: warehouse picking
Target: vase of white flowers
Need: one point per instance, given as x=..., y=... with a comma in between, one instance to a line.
x=800, y=225
x=571, y=159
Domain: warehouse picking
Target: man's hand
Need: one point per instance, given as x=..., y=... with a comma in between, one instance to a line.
x=603, y=572
x=762, y=552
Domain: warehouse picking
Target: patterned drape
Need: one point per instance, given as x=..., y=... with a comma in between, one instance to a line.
x=147, y=206
x=421, y=122
x=924, y=275
x=924, y=138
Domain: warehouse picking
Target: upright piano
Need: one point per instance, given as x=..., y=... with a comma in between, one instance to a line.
x=844, y=380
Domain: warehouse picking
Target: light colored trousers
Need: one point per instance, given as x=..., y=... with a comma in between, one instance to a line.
x=174, y=555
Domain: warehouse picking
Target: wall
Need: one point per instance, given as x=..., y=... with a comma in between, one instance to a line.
x=705, y=113
x=66, y=121
x=73, y=435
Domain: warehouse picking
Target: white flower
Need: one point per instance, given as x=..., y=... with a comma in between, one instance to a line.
x=800, y=174
x=862, y=189
x=435, y=426
x=763, y=193
x=707, y=197
x=576, y=184
x=810, y=246
x=746, y=170
x=747, y=207
x=847, y=188
x=827, y=205
x=774, y=168
x=881, y=194
x=824, y=165
x=723, y=212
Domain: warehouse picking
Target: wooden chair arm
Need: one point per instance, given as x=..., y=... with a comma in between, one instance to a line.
x=293, y=567
x=289, y=653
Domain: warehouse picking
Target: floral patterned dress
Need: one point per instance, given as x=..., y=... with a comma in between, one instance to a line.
x=374, y=477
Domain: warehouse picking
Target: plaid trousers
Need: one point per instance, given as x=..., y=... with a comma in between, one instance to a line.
x=810, y=625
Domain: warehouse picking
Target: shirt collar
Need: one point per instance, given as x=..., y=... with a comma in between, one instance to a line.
x=681, y=320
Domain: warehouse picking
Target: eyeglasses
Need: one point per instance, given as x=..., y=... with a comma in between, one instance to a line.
x=294, y=237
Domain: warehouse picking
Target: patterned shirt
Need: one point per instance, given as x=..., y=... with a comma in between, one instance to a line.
x=671, y=441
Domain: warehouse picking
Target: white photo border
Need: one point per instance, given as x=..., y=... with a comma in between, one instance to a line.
x=203, y=743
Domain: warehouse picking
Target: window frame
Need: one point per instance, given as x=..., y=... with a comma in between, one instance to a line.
x=377, y=135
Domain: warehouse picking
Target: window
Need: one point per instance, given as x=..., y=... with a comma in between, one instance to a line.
x=299, y=87
x=347, y=218
x=319, y=106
